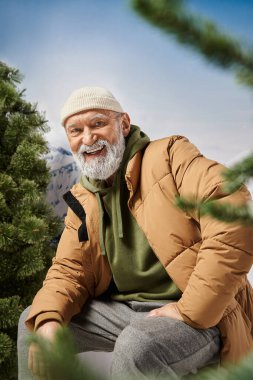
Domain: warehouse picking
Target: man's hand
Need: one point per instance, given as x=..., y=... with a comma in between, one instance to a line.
x=35, y=363
x=168, y=310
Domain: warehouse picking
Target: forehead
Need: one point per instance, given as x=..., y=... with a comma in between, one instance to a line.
x=88, y=115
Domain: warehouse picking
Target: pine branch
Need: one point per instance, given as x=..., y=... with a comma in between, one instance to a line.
x=61, y=363
x=239, y=174
x=30, y=261
x=223, y=212
x=10, y=74
x=31, y=229
x=10, y=311
x=7, y=237
x=7, y=184
x=4, y=209
x=6, y=347
x=60, y=360
x=200, y=34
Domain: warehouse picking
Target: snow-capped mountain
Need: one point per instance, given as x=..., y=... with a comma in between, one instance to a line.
x=64, y=174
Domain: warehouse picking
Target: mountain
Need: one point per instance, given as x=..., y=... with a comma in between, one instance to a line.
x=64, y=174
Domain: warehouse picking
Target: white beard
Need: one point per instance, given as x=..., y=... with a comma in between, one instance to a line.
x=105, y=166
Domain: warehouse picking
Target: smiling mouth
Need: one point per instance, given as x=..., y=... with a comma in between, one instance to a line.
x=95, y=151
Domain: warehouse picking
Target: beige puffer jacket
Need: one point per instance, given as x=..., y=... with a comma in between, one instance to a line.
x=207, y=259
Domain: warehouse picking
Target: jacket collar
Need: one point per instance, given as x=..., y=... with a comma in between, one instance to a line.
x=132, y=175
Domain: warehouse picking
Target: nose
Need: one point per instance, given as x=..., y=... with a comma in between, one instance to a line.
x=88, y=137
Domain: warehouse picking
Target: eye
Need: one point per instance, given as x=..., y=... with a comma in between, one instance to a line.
x=99, y=123
x=74, y=131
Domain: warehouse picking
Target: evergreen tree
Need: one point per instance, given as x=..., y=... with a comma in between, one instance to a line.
x=223, y=50
x=27, y=223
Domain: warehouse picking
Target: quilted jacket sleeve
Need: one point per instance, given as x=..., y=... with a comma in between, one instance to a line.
x=226, y=252
x=69, y=281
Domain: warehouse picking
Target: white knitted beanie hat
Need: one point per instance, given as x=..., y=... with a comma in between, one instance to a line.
x=87, y=98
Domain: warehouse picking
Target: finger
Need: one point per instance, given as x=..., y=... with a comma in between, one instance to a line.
x=154, y=313
x=42, y=370
x=30, y=361
x=169, y=310
x=36, y=362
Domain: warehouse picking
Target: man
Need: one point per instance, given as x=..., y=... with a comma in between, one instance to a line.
x=165, y=290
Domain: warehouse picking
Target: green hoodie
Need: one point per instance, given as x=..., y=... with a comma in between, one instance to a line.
x=137, y=273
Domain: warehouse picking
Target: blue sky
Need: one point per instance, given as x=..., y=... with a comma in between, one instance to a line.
x=167, y=89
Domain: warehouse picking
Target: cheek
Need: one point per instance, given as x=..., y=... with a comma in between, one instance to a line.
x=113, y=138
x=74, y=145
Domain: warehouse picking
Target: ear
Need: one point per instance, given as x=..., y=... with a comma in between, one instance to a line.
x=126, y=125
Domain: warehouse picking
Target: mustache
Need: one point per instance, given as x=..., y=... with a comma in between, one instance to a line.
x=89, y=148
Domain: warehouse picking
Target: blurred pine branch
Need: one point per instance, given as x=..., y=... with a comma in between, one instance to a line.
x=219, y=48
x=62, y=364
x=201, y=35
x=59, y=358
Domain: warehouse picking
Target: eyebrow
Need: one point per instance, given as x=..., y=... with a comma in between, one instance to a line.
x=98, y=115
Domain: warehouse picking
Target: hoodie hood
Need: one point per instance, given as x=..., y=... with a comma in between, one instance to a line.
x=135, y=141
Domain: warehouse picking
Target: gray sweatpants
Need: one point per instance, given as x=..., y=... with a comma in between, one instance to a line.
x=141, y=345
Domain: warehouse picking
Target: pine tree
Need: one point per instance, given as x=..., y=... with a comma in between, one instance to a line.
x=27, y=223
x=222, y=50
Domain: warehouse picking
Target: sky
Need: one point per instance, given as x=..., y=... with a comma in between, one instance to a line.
x=167, y=89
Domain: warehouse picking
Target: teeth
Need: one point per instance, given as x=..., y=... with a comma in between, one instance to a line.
x=94, y=150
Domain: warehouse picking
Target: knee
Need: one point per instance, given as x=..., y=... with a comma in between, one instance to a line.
x=135, y=347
